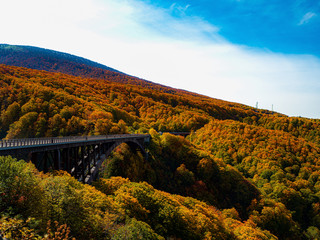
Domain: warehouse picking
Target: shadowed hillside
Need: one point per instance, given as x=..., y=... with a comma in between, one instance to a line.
x=49, y=60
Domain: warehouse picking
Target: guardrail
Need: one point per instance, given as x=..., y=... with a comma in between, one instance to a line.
x=5, y=143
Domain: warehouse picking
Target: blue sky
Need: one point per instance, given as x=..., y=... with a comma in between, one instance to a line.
x=236, y=50
x=287, y=26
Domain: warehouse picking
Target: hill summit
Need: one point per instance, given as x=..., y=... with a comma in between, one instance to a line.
x=45, y=59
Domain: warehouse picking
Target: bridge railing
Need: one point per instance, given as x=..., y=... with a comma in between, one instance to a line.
x=4, y=143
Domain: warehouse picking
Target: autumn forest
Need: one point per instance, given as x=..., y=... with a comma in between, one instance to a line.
x=241, y=173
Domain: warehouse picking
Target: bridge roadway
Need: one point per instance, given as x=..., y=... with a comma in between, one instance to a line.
x=81, y=156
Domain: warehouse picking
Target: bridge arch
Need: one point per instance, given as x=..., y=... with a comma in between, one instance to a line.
x=134, y=147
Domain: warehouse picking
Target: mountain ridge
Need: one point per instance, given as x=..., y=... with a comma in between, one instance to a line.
x=22, y=51
x=35, y=58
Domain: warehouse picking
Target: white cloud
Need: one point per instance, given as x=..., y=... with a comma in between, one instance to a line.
x=181, y=10
x=307, y=17
x=184, y=52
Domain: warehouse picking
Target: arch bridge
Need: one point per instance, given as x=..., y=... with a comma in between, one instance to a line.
x=80, y=156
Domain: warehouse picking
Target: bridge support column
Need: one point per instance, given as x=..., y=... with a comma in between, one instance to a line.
x=83, y=163
x=57, y=159
x=67, y=160
x=75, y=162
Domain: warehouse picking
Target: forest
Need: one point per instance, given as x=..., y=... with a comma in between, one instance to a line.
x=242, y=173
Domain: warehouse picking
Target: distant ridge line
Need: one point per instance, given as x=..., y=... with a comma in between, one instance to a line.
x=44, y=51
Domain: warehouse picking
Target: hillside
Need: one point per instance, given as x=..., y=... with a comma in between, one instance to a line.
x=243, y=173
x=53, y=61
x=76, y=105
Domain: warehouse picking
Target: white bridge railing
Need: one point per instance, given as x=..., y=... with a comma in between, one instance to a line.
x=5, y=143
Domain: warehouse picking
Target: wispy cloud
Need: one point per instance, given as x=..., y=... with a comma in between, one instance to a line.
x=307, y=17
x=173, y=21
x=178, y=9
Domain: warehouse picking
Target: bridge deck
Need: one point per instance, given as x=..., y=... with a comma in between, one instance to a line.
x=81, y=156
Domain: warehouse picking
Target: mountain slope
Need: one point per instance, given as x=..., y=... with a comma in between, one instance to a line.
x=53, y=61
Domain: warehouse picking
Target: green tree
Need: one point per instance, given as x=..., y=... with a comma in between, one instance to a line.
x=20, y=191
x=25, y=127
x=135, y=230
x=10, y=115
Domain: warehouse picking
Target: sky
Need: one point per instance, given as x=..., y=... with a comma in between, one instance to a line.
x=254, y=52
